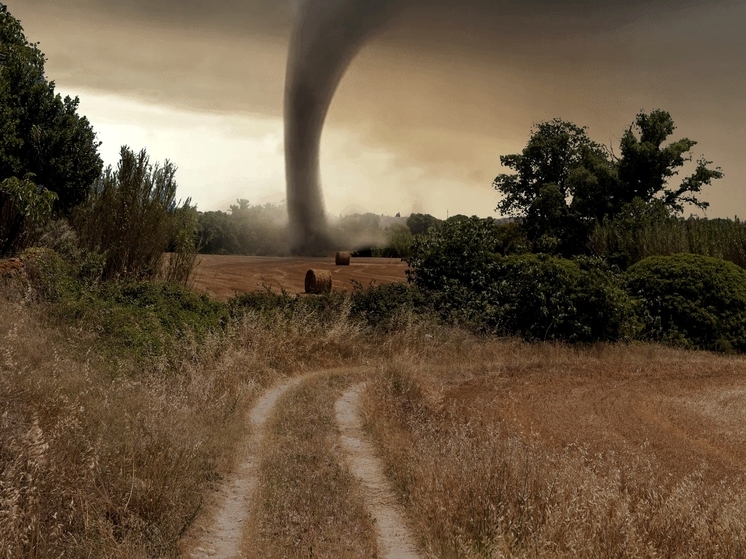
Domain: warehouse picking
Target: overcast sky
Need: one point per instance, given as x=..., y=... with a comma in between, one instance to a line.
x=425, y=110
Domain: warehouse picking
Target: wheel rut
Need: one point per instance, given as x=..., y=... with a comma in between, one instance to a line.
x=394, y=539
x=222, y=538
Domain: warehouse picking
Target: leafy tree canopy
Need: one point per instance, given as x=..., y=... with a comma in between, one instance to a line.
x=422, y=223
x=564, y=182
x=40, y=132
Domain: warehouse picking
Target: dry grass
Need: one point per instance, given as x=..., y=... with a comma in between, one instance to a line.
x=100, y=459
x=510, y=450
x=497, y=449
x=96, y=464
x=308, y=504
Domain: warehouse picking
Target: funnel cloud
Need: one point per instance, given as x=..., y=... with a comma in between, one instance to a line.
x=325, y=39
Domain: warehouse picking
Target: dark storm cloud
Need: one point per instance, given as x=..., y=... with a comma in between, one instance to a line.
x=329, y=33
x=443, y=83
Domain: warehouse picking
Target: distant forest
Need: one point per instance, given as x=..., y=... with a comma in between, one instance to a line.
x=262, y=230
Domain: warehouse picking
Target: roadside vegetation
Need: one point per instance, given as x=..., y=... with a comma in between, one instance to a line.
x=505, y=449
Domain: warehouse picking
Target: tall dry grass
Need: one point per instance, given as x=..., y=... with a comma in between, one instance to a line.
x=106, y=455
x=497, y=451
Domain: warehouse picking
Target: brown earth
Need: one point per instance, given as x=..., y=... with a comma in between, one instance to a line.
x=223, y=277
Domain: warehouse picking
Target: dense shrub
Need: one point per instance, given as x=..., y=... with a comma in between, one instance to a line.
x=387, y=306
x=460, y=254
x=146, y=317
x=382, y=307
x=546, y=298
x=132, y=217
x=467, y=279
x=691, y=300
x=23, y=207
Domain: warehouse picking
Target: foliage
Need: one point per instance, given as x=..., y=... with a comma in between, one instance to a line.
x=466, y=277
x=23, y=207
x=564, y=183
x=462, y=251
x=691, y=300
x=561, y=175
x=182, y=259
x=246, y=229
x=545, y=298
x=146, y=318
x=41, y=133
x=358, y=232
x=422, y=223
x=218, y=234
x=399, y=241
x=646, y=166
x=647, y=230
x=131, y=217
x=387, y=307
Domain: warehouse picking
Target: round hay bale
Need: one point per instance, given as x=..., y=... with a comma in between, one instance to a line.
x=342, y=258
x=318, y=281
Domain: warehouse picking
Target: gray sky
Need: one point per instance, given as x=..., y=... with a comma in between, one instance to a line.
x=426, y=109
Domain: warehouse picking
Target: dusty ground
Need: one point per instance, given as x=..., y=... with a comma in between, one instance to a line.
x=220, y=536
x=219, y=532
x=541, y=450
x=687, y=410
x=225, y=276
x=394, y=538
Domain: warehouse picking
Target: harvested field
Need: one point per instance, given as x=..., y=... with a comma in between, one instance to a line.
x=544, y=451
x=225, y=276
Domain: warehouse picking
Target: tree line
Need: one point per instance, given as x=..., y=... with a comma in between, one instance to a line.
x=113, y=222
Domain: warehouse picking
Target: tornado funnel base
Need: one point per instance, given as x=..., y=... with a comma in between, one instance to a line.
x=312, y=243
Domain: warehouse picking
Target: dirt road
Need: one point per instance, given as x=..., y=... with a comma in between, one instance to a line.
x=221, y=533
x=394, y=539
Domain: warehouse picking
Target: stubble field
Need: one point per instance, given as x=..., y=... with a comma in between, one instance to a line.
x=223, y=277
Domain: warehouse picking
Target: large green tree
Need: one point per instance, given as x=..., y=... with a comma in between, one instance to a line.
x=564, y=183
x=41, y=133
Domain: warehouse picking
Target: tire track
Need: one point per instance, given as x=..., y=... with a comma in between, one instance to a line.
x=222, y=538
x=394, y=539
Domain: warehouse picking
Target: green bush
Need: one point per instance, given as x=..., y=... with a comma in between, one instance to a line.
x=460, y=254
x=691, y=300
x=386, y=306
x=462, y=269
x=23, y=207
x=143, y=319
x=131, y=216
x=381, y=307
x=539, y=297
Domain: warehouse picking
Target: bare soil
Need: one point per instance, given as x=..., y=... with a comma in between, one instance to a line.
x=394, y=539
x=223, y=277
x=222, y=534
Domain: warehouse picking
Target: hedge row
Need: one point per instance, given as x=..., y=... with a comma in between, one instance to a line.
x=686, y=300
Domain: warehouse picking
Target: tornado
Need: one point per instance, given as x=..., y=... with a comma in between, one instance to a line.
x=326, y=37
